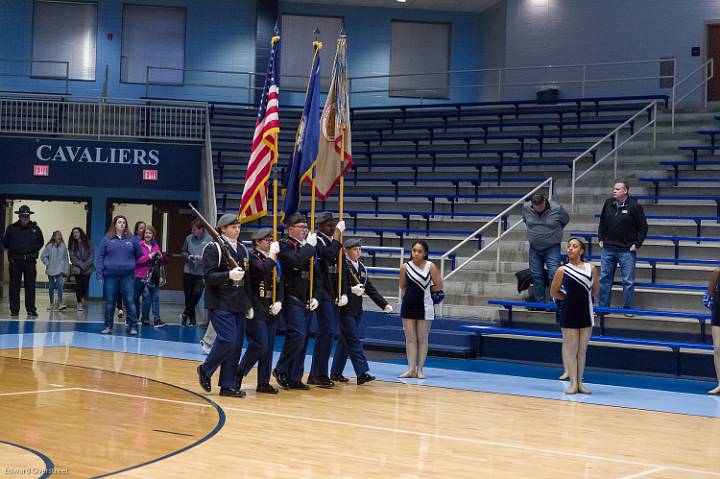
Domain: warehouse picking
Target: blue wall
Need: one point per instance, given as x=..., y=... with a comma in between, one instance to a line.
x=220, y=35
x=369, y=30
x=588, y=31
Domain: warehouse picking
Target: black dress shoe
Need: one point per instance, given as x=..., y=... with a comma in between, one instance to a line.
x=325, y=382
x=232, y=392
x=32, y=314
x=266, y=388
x=339, y=378
x=14, y=313
x=365, y=378
x=298, y=385
x=203, y=379
x=281, y=379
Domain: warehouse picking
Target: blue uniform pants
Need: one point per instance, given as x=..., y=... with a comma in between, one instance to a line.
x=225, y=352
x=350, y=345
x=327, y=320
x=292, y=357
x=261, y=339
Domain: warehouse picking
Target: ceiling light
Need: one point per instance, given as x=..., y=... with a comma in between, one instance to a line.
x=402, y=1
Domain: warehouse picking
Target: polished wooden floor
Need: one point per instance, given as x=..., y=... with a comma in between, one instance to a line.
x=96, y=412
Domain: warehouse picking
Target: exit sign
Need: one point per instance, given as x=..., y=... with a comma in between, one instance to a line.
x=150, y=175
x=41, y=170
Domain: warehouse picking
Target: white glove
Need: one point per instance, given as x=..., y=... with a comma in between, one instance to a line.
x=340, y=226
x=250, y=313
x=358, y=290
x=237, y=274
x=342, y=300
x=314, y=304
x=600, y=243
x=275, y=247
x=388, y=309
x=275, y=308
x=312, y=239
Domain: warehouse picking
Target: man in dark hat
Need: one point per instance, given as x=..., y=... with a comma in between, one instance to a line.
x=328, y=250
x=262, y=328
x=22, y=241
x=227, y=297
x=349, y=344
x=297, y=251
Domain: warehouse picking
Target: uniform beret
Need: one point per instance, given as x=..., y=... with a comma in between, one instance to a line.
x=352, y=242
x=295, y=218
x=261, y=233
x=227, y=219
x=323, y=217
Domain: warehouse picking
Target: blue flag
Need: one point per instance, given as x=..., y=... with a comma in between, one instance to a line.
x=307, y=141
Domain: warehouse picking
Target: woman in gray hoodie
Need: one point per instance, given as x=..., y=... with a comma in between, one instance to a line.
x=57, y=267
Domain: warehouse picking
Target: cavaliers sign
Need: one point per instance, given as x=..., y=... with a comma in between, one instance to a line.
x=100, y=163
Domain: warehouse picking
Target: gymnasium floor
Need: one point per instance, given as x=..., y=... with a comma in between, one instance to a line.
x=79, y=404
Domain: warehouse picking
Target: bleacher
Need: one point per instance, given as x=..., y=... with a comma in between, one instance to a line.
x=441, y=172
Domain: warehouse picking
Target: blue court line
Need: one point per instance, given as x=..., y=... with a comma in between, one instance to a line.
x=608, y=395
x=49, y=466
x=218, y=426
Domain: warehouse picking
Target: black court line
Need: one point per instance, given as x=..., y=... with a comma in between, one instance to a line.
x=172, y=432
x=49, y=465
x=220, y=424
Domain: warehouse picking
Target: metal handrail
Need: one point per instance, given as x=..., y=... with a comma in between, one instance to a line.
x=710, y=63
x=500, y=233
x=398, y=249
x=616, y=146
x=501, y=82
x=65, y=79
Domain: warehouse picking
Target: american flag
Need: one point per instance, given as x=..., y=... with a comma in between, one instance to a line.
x=264, y=152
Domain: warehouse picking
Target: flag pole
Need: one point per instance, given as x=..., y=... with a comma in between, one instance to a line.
x=340, y=214
x=341, y=260
x=275, y=38
x=318, y=45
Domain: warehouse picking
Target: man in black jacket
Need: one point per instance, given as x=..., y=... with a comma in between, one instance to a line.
x=621, y=233
x=328, y=251
x=227, y=297
x=22, y=241
x=349, y=344
x=262, y=328
x=297, y=252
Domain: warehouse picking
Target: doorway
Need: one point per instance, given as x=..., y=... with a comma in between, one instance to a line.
x=171, y=220
x=713, y=51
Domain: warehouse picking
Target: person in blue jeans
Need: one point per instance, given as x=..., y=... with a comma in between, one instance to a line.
x=545, y=221
x=115, y=264
x=622, y=230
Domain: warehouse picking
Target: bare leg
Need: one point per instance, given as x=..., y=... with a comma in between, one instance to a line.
x=716, y=357
x=584, y=339
x=411, y=348
x=423, y=331
x=571, y=339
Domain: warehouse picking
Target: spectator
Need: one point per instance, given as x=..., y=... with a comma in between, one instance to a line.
x=82, y=264
x=115, y=260
x=57, y=268
x=621, y=233
x=573, y=288
x=419, y=280
x=22, y=241
x=193, y=285
x=545, y=221
x=144, y=282
x=138, y=232
x=713, y=294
